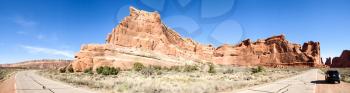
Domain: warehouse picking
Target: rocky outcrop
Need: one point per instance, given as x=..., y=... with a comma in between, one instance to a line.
x=273, y=51
x=342, y=61
x=142, y=37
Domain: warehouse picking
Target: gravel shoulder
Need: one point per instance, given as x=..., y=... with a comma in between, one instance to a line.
x=7, y=80
x=8, y=85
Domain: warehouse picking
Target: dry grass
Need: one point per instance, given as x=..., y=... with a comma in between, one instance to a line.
x=225, y=79
x=6, y=73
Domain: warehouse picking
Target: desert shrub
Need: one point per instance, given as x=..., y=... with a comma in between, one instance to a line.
x=258, y=70
x=211, y=68
x=157, y=67
x=138, y=66
x=228, y=71
x=190, y=68
x=71, y=70
x=99, y=70
x=105, y=70
x=175, y=68
x=89, y=71
x=147, y=71
x=62, y=70
x=2, y=74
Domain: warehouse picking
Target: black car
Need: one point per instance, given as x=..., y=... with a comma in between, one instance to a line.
x=332, y=76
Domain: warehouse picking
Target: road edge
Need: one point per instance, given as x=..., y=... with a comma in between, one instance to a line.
x=243, y=89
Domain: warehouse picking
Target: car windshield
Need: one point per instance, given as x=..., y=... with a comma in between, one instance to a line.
x=333, y=72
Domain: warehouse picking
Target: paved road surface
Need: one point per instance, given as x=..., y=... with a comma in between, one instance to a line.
x=324, y=87
x=297, y=84
x=29, y=82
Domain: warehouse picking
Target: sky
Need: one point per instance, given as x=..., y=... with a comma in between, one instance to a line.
x=56, y=29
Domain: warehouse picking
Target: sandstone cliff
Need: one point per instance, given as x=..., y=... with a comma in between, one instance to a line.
x=272, y=51
x=342, y=61
x=142, y=37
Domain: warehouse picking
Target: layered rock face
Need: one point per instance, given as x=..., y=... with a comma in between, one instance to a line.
x=273, y=51
x=142, y=37
x=342, y=61
x=145, y=30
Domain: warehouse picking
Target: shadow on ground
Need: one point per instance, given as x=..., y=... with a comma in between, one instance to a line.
x=321, y=82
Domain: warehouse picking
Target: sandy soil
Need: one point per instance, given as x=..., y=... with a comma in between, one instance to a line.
x=323, y=87
x=8, y=86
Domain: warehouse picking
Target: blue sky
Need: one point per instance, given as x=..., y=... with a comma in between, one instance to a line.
x=48, y=29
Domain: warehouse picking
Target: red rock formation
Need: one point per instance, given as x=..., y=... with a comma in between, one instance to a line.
x=142, y=37
x=342, y=61
x=275, y=50
x=328, y=61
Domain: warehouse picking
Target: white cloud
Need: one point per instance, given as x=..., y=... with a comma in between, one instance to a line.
x=21, y=32
x=40, y=37
x=32, y=49
x=24, y=22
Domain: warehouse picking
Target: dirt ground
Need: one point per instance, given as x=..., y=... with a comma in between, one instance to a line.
x=323, y=87
x=8, y=85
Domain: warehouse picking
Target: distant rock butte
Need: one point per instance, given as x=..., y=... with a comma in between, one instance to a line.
x=142, y=37
x=39, y=64
x=342, y=61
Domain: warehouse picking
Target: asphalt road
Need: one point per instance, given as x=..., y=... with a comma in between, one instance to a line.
x=297, y=84
x=29, y=82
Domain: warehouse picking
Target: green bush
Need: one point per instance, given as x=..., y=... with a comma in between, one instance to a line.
x=138, y=66
x=258, y=70
x=99, y=70
x=105, y=70
x=211, y=68
x=190, y=68
x=89, y=71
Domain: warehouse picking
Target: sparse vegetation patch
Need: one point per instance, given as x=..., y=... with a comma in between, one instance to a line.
x=211, y=68
x=138, y=66
x=5, y=73
x=196, y=79
x=105, y=70
x=258, y=69
x=89, y=71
